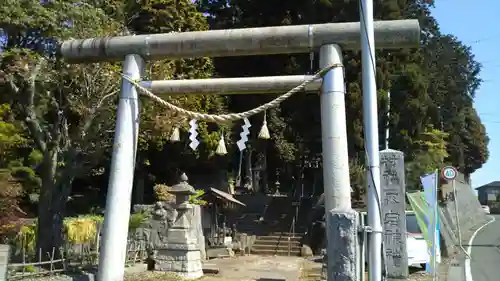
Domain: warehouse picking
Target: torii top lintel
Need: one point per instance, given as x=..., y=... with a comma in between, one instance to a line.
x=394, y=34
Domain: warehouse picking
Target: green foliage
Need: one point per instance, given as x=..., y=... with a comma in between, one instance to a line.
x=26, y=238
x=136, y=220
x=28, y=178
x=162, y=194
x=454, y=78
x=35, y=157
x=164, y=16
x=30, y=268
x=12, y=142
x=430, y=86
x=195, y=198
x=430, y=155
x=157, y=123
x=59, y=128
x=358, y=178
x=11, y=135
x=65, y=109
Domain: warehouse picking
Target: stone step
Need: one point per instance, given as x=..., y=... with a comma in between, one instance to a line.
x=266, y=231
x=286, y=233
x=245, y=215
x=275, y=247
x=275, y=242
x=271, y=230
x=276, y=231
x=277, y=238
x=275, y=252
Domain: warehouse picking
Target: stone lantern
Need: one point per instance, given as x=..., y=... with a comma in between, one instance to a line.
x=180, y=250
x=182, y=191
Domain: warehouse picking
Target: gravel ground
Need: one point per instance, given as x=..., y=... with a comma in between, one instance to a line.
x=153, y=276
x=311, y=271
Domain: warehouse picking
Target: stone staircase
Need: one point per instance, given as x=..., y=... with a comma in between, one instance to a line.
x=272, y=226
x=279, y=244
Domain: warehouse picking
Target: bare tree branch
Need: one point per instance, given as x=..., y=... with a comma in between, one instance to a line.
x=92, y=114
x=31, y=119
x=14, y=88
x=65, y=134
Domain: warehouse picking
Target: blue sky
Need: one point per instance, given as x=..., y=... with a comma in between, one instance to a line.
x=475, y=25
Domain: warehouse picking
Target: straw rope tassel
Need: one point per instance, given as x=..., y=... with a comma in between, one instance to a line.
x=221, y=148
x=264, y=131
x=175, y=136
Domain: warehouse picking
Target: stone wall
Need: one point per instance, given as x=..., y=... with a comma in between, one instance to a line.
x=470, y=214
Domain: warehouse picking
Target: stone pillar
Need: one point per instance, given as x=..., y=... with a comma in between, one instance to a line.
x=343, y=230
x=393, y=189
x=198, y=230
x=4, y=261
x=180, y=250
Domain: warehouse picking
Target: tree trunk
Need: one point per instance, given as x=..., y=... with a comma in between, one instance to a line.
x=248, y=170
x=139, y=186
x=52, y=204
x=50, y=218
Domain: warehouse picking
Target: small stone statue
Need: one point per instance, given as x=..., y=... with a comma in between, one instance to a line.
x=159, y=212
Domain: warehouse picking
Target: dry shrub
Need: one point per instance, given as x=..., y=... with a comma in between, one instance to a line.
x=10, y=212
x=162, y=193
x=82, y=229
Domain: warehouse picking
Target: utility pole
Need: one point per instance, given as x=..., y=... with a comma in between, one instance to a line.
x=387, y=130
x=370, y=116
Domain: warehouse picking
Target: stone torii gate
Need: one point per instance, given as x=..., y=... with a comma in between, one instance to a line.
x=330, y=39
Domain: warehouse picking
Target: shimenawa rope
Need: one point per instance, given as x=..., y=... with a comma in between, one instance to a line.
x=224, y=118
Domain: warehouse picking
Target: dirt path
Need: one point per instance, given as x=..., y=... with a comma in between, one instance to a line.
x=254, y=268
x=244, y=268
x=266, y=268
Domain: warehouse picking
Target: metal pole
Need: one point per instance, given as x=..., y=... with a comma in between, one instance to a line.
x=231, y=86
x=388, y=122
x=240, y=42
x=118, y=201
x=337, y=195
x=435, y=236
x=363, y=248
x=457, y=217
x=371, y=138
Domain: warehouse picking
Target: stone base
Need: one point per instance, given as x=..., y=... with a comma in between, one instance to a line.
x=324, y=271
x=186, y=275
x=342, y=235
x=222, y=252
x=191, y=275
x=305, y=251
x=185, y=263
x=186, y=269
x=4, y=261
